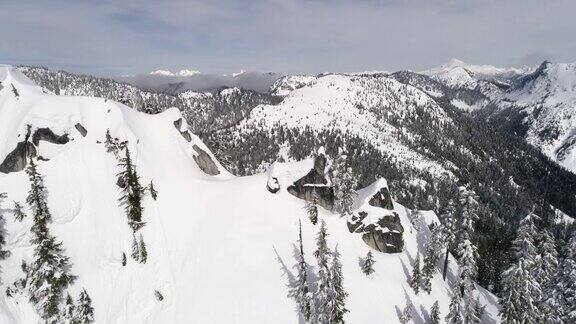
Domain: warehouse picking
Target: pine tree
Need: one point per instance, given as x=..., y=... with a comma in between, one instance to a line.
x=467, y=251
x=143, y=252
x=368, y=264
x=478, y=312
x=123, y=259
x=312, y=209
x=547, y=269
x=301, y=292
x=69, y=310
x=49, y=274
x=132, y=192
x=415, y=279
x=324, y=298
x=3, y=253
x=344, y=184
x=406, y=316
x=135, y=249
x=84, y=312
x=153, y=191
x=521, y=290
x=339, y=294
x=435, y=313
x=430, y=260
x=448, y=230
x=568, y=282
x=455, y=311
x=18, y=211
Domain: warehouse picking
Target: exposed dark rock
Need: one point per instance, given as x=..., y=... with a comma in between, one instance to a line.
x=178, y=123
x=313, y=186
x=17, y=159
x=81, y=129
x=273, y=186
x=205, y=162
x=41, y=158
x=46, y=134
x=355, y=223
x=186, y=136
x=387, y=236
x=382, y=199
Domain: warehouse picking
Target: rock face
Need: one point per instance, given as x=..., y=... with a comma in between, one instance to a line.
x=205, y=162
x=17, y=159
x=314, y=185
x=382, y=199
x=81, y=129
x=273, y=185
x=46, y=134
x=385, y=234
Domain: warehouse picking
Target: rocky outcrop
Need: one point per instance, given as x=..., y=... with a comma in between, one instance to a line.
x=314, y=185
x=385, y=235
x=382, y=199
x=17, y=159
x=46, y=134
x=273, y=185
x=205, y=162
x=81, y=129
x=186, y=136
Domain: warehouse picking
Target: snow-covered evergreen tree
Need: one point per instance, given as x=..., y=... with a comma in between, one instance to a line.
x=344, y=184
x=406, y=315
x=448, y=230
x=132, y=192
x=322, y=312
x=478, y=312
x=338, y=307
x=568, y=282
x=135, y=254
x=113, y=144
x=466, y=250
x=143, y=252
x=83, y=312
x=69, y=310
x=301, y=292
x=435, y=313
x=3, y=253
x=546, y=272
x=521, y=290
x=455, y=312
x=48, y=276
x=430, y=259
x=368, y=264
x=18, y=211
x=416, y=277
x=312, y=210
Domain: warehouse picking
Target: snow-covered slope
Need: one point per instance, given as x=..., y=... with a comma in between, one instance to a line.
x=214, y=242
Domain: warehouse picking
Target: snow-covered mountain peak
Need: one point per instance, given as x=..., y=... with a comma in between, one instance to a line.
x=181, y=73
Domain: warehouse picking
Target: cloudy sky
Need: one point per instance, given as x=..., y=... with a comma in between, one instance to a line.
x=114, y=37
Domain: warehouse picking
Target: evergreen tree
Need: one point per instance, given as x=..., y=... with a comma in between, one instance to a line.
x=113, y=145
x=547, y=270
x=49, y=274
x=568, y=282
x=479, y=310
x=18, y=211
x=69, y=310
x=344, y=184
x=123, y=259
x=312, y=209
x=415, y=279
x=153, y=191
x=324, y=297
x=132, y=192
x=3, y=253
x=338, y=307
x=406, y=316
x=84, y=312
x=135, y=249
x=143, y=251
x=467, y=251
x=455, y=311
x=368, y=264
x=521, y=290
x=448, y=230
x=435, y=313
x=430, y=260
x=301, y=292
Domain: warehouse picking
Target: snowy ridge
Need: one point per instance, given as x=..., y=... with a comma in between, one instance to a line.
x=213, y=241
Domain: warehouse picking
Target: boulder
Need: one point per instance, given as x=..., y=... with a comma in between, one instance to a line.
x=382, y=199
x=17, y=160
x=386, y=235
x=186, y=136
x=205, y=162
x=273, y=185
x=81, y=129
x=178, y=123
x=46, y=134
x=314, y=185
